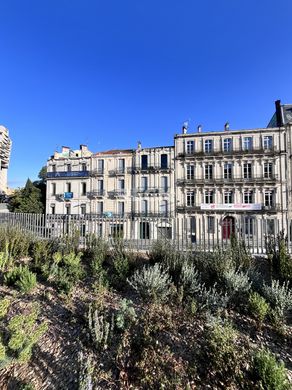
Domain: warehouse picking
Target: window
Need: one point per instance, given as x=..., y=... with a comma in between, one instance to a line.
x=190, y=147
x=164, y=187
x=83, y=189
x=144, y=161
x=68, y=209
x=68, y=167
x=248, y=196
x=247, y=171
x=208, y=171
x=227, y=145
x=268, y=142
x=208, y=146
x=163, y=161
x=249, y=225
x=53, y=209
x=121, y=186
x=228, y=197
x=54, y=168
x=144, y=206
x=68, y=187
x=163, y=207
x=247, y=143
x=269, y=198
x=190, y=172
x=100, y=166
x=144, y=183
x=190, y=198
x=209, y=197
x=121, y=208
x=83, y=209
x=268, y=170
x=99, y=208
x=270, y=226
x=53, y=188
x=84, y=166
x=144, y=230
x=210, y=224
x=121, y=165
x=228, y=171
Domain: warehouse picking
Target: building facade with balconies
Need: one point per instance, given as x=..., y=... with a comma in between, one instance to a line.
x=228, y=181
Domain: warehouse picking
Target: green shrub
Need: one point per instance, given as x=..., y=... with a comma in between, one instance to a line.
x=96, y=253
x=4, y=306
x=151, y=282
x=126, y=315
x=40, y=251
x=258, y=306
x=237, y=284
x=271, y=374
x=22, y=278
x=190, y=279
x=100, y=327
x=211, y=299
x=279, y=296
x=241, y=256
x=278, y=255
x=14, y=242
x=21, y=334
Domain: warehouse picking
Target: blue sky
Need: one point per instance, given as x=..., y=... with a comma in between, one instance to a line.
x=109, y=73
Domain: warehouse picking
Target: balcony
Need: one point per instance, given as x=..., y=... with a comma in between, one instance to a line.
x=232, y=152
x=258, y=179
x=97, y=172
x=70, y=174
x=150, y=191
x=117, y=193
x=117, y=172
x=141, y=214
x=230, y=207
x=150, y=169
x=96, y=194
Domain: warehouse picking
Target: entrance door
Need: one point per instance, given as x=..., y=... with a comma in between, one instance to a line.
x=228, y=227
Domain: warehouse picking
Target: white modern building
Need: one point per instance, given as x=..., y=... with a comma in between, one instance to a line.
x=5, y=150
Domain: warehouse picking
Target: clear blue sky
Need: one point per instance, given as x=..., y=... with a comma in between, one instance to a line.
x=108, y=73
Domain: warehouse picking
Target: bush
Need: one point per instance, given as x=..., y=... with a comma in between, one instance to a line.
x=126, y=315
x=152, y=282
x=21, y=335
x=14, y=242
x=278, y=255
x=211, y=299
x=22, y=278
x=100, y=328
x=237, y=284
x=258, y=306
x=279, y=296
x=271, y=374
x=240, y=254
x=4, y=306
x=96, y=253
x=189, y=279
x=120, y=259
x=40, y=251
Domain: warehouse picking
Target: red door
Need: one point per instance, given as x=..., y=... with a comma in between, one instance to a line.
x=228, y=227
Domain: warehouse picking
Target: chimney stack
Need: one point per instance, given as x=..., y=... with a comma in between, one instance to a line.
x=185, y=127
x=84, y=148
x=226, y=126
x=199, y=128
x=139, y=145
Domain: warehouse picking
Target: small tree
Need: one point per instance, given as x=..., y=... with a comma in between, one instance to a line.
x=27, y=199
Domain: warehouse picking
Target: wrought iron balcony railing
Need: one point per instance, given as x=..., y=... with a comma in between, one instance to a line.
x=149, y=169
x=230, y=152
x=117, y=172
x=96, y=194
x=228, y=180
x=150, y=190
x=117, y=193
x=97, y=172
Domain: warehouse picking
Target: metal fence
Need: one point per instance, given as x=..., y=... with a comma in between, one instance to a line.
x=139, y=233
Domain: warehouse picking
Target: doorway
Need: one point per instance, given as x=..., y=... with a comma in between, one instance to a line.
x=228, y=227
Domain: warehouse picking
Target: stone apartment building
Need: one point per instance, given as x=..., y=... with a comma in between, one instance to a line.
x=207, y=184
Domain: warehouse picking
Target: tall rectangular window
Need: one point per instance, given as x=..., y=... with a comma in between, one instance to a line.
x=269, y=198
x=53, y=209
x=163, y=207
x=68, y=187
x=144, y=206
x=247, y=143
x=249, y=225
x=268, y=142
x=208, y=146
x=121, y=165
x=121, y=208
x=247, y=172
x=227, y=145
x=83, y=189
x=68, y=209
x=208, y=171
x=99, y=208
x=144, y=161
x=228, y=171
x=190, y=147
x=121, y=186
x=228, y=197
x=54, y=168
x=53, y=188
x=100, y=166
x=209, y=196
x=83, y=209
x=248, y=197
x=84, y=166
x=190, y=198
x=190, y=172
x=163, y=161
x=100, y=186
x=268, y=170
x=164, y=184
x=210, y=224
x=144, y=183
x=68, y=167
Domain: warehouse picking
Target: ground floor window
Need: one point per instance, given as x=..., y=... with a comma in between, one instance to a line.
x=117, y=231
x=164, y=233
x=210, y=224
x=144, y=230
x=249, y=223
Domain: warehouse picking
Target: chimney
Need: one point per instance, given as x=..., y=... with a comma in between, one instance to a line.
x=65, y=149
x=139, y=145
x=279, y=113
x=226, y=126
x=199, y=128
x=83, y=148
x=185, y=127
